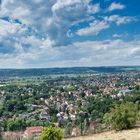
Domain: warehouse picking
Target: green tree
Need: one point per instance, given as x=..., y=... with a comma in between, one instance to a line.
x=123, y=116
x=51, y=133
x=15, y=124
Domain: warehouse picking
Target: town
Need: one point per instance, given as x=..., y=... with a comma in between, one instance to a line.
x=76, y=103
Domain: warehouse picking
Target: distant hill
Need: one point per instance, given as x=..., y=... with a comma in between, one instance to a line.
x=74, y=70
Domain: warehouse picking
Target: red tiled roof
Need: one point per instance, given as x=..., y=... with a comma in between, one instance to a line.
x=31, y=130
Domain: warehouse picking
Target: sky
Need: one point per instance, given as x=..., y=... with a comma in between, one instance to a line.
x=69, y=33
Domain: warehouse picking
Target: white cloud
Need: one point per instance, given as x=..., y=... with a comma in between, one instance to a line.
x=49, y=17
x=60, y=4
x=47, y=23
x=7, y=28
x=97, y=26
x=54, y=18
x=94, y=8
x=120, y=35
x=119, y=19
x=89, y=53
x=116, y=6
x=94, y=28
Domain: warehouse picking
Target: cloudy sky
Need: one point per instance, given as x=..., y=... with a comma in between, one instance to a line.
x=69, y=33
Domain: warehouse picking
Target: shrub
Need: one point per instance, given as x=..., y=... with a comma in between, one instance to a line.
x=15, y=124
x=51, y=133
x=122, y=117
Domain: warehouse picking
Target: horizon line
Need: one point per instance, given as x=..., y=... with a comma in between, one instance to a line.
x=69, y=67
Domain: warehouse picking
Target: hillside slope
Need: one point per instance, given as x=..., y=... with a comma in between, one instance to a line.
x=133, y=134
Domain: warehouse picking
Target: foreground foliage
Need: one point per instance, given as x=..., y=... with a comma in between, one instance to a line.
x=51, y=133
x=123, y=116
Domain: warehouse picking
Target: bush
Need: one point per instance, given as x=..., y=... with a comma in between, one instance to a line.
x=15, y=124
x=51, y=133
x=122, y=117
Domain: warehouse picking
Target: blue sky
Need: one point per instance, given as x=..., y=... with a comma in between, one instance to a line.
x=69, y=33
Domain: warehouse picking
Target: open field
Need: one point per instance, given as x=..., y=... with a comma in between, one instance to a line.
x=133, y=134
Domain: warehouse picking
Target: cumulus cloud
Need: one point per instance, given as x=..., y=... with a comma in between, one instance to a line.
x=88, y=53
x=51, y=18
x=36, y=33
x=10, y=34
x=119, y=19
x=98, y=53
x=7, y=28
x=94, y=8
x=116, y=6
x=54, y=18
x=60, y=4
x=94, y=28
x=97, y=26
